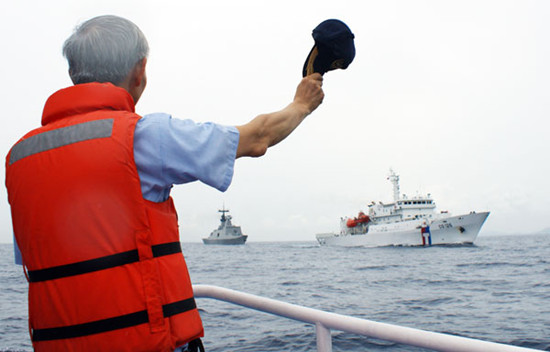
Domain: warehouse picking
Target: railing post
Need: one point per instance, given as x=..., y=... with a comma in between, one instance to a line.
x=324, y=338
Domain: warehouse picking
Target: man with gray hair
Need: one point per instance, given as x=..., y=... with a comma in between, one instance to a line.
x=90, y=198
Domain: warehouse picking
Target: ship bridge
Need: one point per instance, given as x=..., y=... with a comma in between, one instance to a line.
x=402, y=207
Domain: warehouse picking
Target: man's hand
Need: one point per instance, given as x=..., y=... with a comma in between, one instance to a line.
x=309, y=93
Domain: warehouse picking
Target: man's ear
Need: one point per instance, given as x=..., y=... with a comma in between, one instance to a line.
x=139, y=74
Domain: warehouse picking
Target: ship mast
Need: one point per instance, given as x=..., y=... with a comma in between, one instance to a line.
x=394, y=179
x=223, y=211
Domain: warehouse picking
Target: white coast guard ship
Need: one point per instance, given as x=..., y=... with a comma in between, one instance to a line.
x=405, y=222
x=226, y=233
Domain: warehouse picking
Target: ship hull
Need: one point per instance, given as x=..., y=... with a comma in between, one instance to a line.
x=455, y=230
x=226, y=241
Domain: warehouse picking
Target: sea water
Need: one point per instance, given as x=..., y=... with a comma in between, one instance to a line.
x=496, y=290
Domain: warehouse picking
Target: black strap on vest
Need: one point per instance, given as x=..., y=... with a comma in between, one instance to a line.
x=195, y=346
x=101, y=263
x=104, y=325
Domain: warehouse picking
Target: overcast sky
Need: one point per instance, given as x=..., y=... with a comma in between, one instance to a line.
x=454, y=96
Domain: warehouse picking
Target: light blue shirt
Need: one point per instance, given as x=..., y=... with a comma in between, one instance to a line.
x=170, y=151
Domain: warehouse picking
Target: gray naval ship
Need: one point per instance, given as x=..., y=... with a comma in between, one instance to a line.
x=226, y=233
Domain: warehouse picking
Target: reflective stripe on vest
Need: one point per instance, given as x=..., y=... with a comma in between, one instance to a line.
x=61, y=137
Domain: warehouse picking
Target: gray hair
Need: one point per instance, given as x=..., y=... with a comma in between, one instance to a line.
x=104, y=49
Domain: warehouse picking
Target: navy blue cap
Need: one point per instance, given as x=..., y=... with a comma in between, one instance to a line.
x=334, y=48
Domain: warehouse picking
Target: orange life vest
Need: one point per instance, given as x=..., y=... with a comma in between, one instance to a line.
x=105, y=267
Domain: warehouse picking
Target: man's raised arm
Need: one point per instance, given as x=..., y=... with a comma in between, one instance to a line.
x=266, y=130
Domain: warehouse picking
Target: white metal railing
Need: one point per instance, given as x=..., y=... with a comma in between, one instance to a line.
x=325, y=321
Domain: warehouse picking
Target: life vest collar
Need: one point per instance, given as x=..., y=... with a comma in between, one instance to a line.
x=86, y=97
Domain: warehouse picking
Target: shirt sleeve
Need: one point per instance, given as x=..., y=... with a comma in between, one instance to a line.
x=170, y=151
x=17, y=253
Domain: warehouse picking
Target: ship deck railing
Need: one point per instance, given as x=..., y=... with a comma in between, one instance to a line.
x=324, y=322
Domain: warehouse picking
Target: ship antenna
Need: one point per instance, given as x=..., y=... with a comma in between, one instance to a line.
x=394, y=179
x=223, y=211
